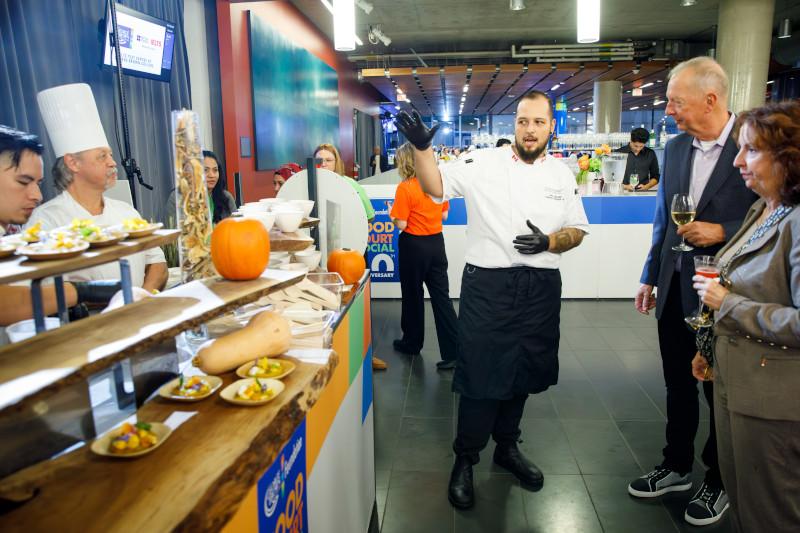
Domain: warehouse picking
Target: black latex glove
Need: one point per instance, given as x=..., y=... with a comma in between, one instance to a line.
x=96, y=292
x=532, y=243
x=415, y=130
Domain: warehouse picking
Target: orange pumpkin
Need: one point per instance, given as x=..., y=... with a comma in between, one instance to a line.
x=347, y=263
x=240, y=248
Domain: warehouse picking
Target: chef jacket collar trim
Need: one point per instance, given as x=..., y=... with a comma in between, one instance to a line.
x=517, y=159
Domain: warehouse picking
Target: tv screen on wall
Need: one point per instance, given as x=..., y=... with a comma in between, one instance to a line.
x=295, y=98
x=146, y=44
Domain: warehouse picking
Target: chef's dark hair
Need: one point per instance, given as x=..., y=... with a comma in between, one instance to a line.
x=16, y=142
x=640, y=135
x=535, y=95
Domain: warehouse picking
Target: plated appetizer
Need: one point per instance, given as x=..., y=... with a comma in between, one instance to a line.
x=252, y=391
x=131, y=440
x=190, y=389
x=264, y=367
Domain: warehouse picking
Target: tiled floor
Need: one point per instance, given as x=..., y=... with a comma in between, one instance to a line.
x=602, y=425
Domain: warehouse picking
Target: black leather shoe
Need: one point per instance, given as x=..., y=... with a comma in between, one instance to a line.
x=402, y=347
x=510, y=458
x=445, y=365
x=460, y=491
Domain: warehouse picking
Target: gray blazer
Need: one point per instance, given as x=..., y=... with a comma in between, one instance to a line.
x=725, y=201
x=757, y=350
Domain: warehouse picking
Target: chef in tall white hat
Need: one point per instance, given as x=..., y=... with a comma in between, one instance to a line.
x=83, y=171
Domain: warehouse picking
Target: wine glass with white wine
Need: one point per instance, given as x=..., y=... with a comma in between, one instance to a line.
x=683, y=212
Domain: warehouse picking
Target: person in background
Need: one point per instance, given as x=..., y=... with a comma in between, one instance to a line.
x=756, y=335
x=642, y=162
x=221, y=203
x=331, y=160
x=378, y=163
x=83, y=171
x=21, y=175
x=502, y=142
x=697, y=95
x=282, y=175
x=422, y=260
x=508, y=320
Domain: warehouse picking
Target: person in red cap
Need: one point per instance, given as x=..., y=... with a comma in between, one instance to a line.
x=281, y=175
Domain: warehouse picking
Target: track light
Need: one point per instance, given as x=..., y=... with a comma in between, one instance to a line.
x=785, y=29
x=516, y=5
x=376, y=34
x=366, y=6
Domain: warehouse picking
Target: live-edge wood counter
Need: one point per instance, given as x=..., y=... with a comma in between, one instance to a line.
x=195, y=481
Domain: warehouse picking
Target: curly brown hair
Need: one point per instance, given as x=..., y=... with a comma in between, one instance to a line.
x=776, y=130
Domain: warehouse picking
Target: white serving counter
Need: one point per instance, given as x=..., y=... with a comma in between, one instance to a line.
x=606, y=265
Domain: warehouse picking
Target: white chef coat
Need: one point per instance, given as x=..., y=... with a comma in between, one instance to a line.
x=502, y=192
x=61, y=210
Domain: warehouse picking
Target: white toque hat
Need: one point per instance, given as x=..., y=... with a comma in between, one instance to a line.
x=71, y=118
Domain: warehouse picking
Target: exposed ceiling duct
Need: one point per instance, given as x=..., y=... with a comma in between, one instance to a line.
x=546, y=53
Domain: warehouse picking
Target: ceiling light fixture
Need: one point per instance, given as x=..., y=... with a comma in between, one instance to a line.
x=344, y=25
x=658, y=102
x=366, y=6
x=465, y=89
x=785, y=29
x=646, y=85
x=634, y=108
x=556, y=86
x=588, y=21
x=516, y=5
x=688, y=3
x=376, y=34
x=636, y=91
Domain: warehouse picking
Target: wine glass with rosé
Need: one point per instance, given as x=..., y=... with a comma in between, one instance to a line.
x=706, y=266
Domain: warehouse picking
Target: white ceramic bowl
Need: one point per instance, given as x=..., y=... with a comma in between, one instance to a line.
x=310, y=258
x=278, y=258
x=267, y=219
x=304, y=205
x=24, y=329
x=253, y=207
x=288, y=221
x=270, y=203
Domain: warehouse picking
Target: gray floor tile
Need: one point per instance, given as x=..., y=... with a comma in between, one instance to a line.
x=417, y=501
x=599, y=448
x=540, y=406
x=430, y=399
x=587, y=338
x=425, y=445
x=576, y=399
x=621, y=513
x=387, y=432
x=498, y=506
x=563, y=505
x=621, y=338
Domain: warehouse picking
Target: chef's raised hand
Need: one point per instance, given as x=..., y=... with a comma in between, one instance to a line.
x=415, y=130
x=531, y=243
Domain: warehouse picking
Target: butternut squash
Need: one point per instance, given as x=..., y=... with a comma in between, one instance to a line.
x=266, y=334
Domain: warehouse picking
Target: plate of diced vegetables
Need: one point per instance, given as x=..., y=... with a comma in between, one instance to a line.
x=131, y=440
x=190, y=388
x=60, y=245
x=138, y=227
x=266, y=367
x=252, y=391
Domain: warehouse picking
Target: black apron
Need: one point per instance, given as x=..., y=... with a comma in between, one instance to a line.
x=508, y=331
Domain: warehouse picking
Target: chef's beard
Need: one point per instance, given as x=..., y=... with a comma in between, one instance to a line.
x=529, y=156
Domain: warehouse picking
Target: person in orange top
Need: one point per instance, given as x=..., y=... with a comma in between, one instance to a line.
x=422, y=260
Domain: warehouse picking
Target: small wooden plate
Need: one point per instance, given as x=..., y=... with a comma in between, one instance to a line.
x=108, y=242
x=34, y=255
x=287, y=367
x=136, y=233
x=166, y=390
x=229, y=393
x=7, y=250
x=101, y=444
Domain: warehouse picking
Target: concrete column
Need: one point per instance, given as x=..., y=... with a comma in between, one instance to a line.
x=607, y=106
x=744, y=38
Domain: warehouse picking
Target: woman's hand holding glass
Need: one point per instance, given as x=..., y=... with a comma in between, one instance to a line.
x=710, y=291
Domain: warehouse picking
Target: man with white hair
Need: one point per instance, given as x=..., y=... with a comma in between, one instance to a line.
x=84, y=170
x=698, y=162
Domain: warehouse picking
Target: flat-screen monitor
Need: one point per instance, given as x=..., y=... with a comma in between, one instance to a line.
x=146, y=44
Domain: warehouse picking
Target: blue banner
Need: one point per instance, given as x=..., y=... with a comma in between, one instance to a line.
x=282, y=489
x=382, y=246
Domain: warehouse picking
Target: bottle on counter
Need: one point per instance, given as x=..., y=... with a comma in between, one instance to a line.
x=663, y=137
x=652, y=140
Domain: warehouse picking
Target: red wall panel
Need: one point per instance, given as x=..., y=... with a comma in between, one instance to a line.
x=237, y=92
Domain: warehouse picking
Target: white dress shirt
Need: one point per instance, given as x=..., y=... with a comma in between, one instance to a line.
x=61, y=210
x=502, y=192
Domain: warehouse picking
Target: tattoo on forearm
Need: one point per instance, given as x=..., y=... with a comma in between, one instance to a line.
x=565, y=239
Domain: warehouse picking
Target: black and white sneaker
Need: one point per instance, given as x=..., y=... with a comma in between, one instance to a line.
x=658, y=482
x=707, y=505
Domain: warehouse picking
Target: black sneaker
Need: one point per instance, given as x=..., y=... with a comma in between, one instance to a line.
x=658, y=482
x=402, y=347
x=445, y=365
x=707, y=505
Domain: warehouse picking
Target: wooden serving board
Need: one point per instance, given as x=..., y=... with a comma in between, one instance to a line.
x=16, y=268
x=309, y=222
x=99, y=341
x=195, y=481
x=288, y=242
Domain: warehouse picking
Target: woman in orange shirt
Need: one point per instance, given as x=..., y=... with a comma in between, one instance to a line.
x=422, y=260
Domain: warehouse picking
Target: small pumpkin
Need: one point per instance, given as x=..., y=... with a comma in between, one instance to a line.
x=240, y=248
x=347, y=263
